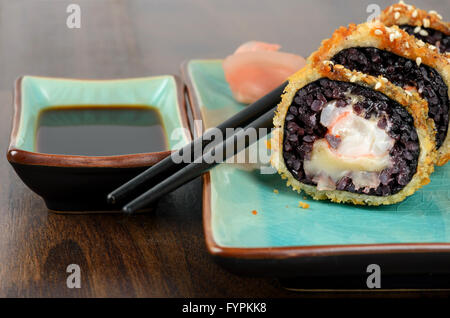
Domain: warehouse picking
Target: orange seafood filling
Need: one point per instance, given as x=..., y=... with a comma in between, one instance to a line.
x=358, y=149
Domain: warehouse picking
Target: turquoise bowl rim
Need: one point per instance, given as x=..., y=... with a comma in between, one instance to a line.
x=285, y=252
x=17, y=155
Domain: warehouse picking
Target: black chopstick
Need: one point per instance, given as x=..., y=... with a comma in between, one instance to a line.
x=194, y=170
x=167, y=166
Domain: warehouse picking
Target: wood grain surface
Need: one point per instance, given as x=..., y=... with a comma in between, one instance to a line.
x=161, y=254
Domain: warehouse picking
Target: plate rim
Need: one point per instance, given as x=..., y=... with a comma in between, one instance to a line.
x=285, y=252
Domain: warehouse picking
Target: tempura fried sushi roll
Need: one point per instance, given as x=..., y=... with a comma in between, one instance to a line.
x=349, y=137
x=426, y=26
x=376, y=49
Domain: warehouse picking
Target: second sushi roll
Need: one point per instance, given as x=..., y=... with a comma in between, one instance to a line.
x=350, y=137
x=375, y=49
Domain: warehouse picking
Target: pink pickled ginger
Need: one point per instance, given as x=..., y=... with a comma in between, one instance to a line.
x=256, y=68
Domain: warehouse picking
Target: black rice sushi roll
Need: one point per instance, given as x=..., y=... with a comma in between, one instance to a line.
x=424, y=25
x=378, y=50
x=350, y=137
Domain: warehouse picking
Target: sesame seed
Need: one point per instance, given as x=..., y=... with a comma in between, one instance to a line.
x=426, y=23
x=417, y=29
x=353, y=79
x=401, y=2
x=409, y=93
x=414, y=14
x=397, y=15
x=432, y=47
x=423, y=32
x=384, y=79
x=394, y=35
x=339, y=66
x=418, y=61
x=407, y=44
x=377, y=85
x=420, y=43
x=378, y=32
x=439, y=16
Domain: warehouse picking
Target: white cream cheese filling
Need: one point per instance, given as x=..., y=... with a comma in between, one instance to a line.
x=361, y=154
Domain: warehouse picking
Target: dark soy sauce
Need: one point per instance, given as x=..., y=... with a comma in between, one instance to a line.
x=100, y=131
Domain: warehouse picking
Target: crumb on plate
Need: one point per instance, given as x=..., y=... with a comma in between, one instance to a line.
x=303, y=205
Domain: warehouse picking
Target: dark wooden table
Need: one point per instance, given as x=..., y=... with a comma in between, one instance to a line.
x=161, y=254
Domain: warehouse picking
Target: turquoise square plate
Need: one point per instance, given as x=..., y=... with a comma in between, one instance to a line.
x=283, y=239
x=74, y=183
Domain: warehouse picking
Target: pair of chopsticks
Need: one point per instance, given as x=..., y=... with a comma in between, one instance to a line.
x=166, y=175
